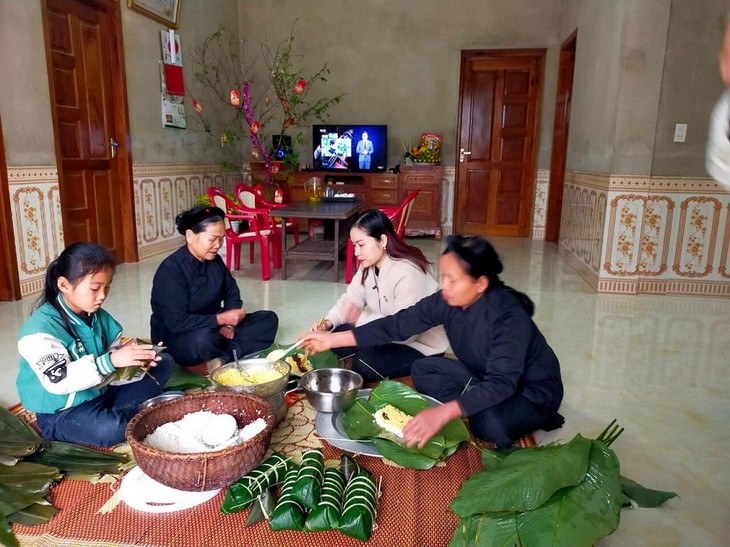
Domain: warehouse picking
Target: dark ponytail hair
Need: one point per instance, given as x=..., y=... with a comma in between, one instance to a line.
x=478, y=258
x=74, y=263
x=375, y=223
x=198, y=218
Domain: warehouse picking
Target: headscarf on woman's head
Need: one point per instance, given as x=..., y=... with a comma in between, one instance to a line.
x=197, y=218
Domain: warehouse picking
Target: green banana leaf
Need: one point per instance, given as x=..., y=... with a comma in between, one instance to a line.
x=359, y=423
x=643, y=496
x=38, y=513
x=124, y=374
x=12, y=427
x=576, y=515
x=13, y=451
x=245, y=490
x=396, y=453
x=348, y=467
x=524, y=480
x=183, y=379
x=359, y=507
x=326, y=515
x=308, y=486
x=6, y=534
x=74, y=460
x=493, y=457
x=13, y=500
x=288, y=514
x=486, y=530
x=597, y=500
x=30, y=477
x=261, y=509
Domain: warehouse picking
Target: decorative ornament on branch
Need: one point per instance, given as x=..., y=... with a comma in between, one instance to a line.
x=272, y=127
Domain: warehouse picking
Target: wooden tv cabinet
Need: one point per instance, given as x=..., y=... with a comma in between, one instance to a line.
x=386, y=189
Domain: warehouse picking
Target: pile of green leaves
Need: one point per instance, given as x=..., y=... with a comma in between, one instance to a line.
x=555, y=495
x=29, y=466
x=359, y=424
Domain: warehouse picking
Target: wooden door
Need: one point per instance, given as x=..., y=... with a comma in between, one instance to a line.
x=561, y=126
x=498, y=116
x=82, y=48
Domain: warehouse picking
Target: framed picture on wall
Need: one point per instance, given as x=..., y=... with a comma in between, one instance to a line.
x=166, y=12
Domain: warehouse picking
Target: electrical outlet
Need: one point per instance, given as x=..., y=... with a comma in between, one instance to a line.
x=680, y=132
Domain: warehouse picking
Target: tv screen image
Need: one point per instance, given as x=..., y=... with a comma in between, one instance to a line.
x=350, y=147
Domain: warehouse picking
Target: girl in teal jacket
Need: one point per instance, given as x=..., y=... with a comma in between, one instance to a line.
x=68, y=347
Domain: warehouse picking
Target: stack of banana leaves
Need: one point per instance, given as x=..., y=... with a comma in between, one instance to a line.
x=569, y=494
x=30, y=465
x=359, y=422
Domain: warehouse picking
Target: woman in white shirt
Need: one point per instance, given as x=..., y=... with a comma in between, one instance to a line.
x=392, y=276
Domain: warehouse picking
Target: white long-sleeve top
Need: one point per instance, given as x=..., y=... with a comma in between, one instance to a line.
x=398, y=285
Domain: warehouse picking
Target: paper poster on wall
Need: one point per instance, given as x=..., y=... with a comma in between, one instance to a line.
x=172, y=86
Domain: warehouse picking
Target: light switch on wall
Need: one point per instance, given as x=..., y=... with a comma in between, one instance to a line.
x=680, y=132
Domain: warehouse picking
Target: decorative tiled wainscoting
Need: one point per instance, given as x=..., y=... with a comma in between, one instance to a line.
x=539, y=212
x=36, y=213
x=163, y=191
x=659, y=235
x=160, y=193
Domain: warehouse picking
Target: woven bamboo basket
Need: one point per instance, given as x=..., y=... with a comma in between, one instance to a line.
x=206, y=470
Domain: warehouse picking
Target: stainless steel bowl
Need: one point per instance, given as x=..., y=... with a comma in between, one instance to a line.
x=331, y=389
x=250, y=366
x=161, y=398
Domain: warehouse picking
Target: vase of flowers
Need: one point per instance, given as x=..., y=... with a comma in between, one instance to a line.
x=266, y=114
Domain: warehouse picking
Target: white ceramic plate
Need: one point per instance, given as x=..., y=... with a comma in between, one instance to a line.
x=331, y=429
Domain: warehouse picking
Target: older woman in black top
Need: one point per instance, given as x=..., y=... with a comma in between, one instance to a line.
x=196, y=305
x=506, y=378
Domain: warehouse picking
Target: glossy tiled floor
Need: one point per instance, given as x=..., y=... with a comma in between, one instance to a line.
x=660, y=365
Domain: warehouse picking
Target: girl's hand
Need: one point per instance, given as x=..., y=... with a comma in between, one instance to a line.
x=324, y=325
x=427, y=423
x=133, y=355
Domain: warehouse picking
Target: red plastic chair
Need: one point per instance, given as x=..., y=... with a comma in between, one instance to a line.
x=266, y=238
x=398, y=215
x=249, y=197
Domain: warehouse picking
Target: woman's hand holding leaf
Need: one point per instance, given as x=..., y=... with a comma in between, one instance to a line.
x=429, y=422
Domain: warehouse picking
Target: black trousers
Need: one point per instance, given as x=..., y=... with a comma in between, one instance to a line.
x=446, y=379
x=257, y=331
x=374, y=363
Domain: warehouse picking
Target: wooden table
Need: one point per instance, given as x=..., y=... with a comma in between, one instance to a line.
x=313, y=248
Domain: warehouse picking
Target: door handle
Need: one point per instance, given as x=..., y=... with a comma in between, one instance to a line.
x=113, y=145
x=463, y=153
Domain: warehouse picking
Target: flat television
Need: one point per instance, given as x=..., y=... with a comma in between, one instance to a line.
x=354, y=148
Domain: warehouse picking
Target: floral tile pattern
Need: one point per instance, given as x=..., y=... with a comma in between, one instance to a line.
x=665, y=235
x=698, y=222
x=36, y=213
x=160, y=193
x=542, y=185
